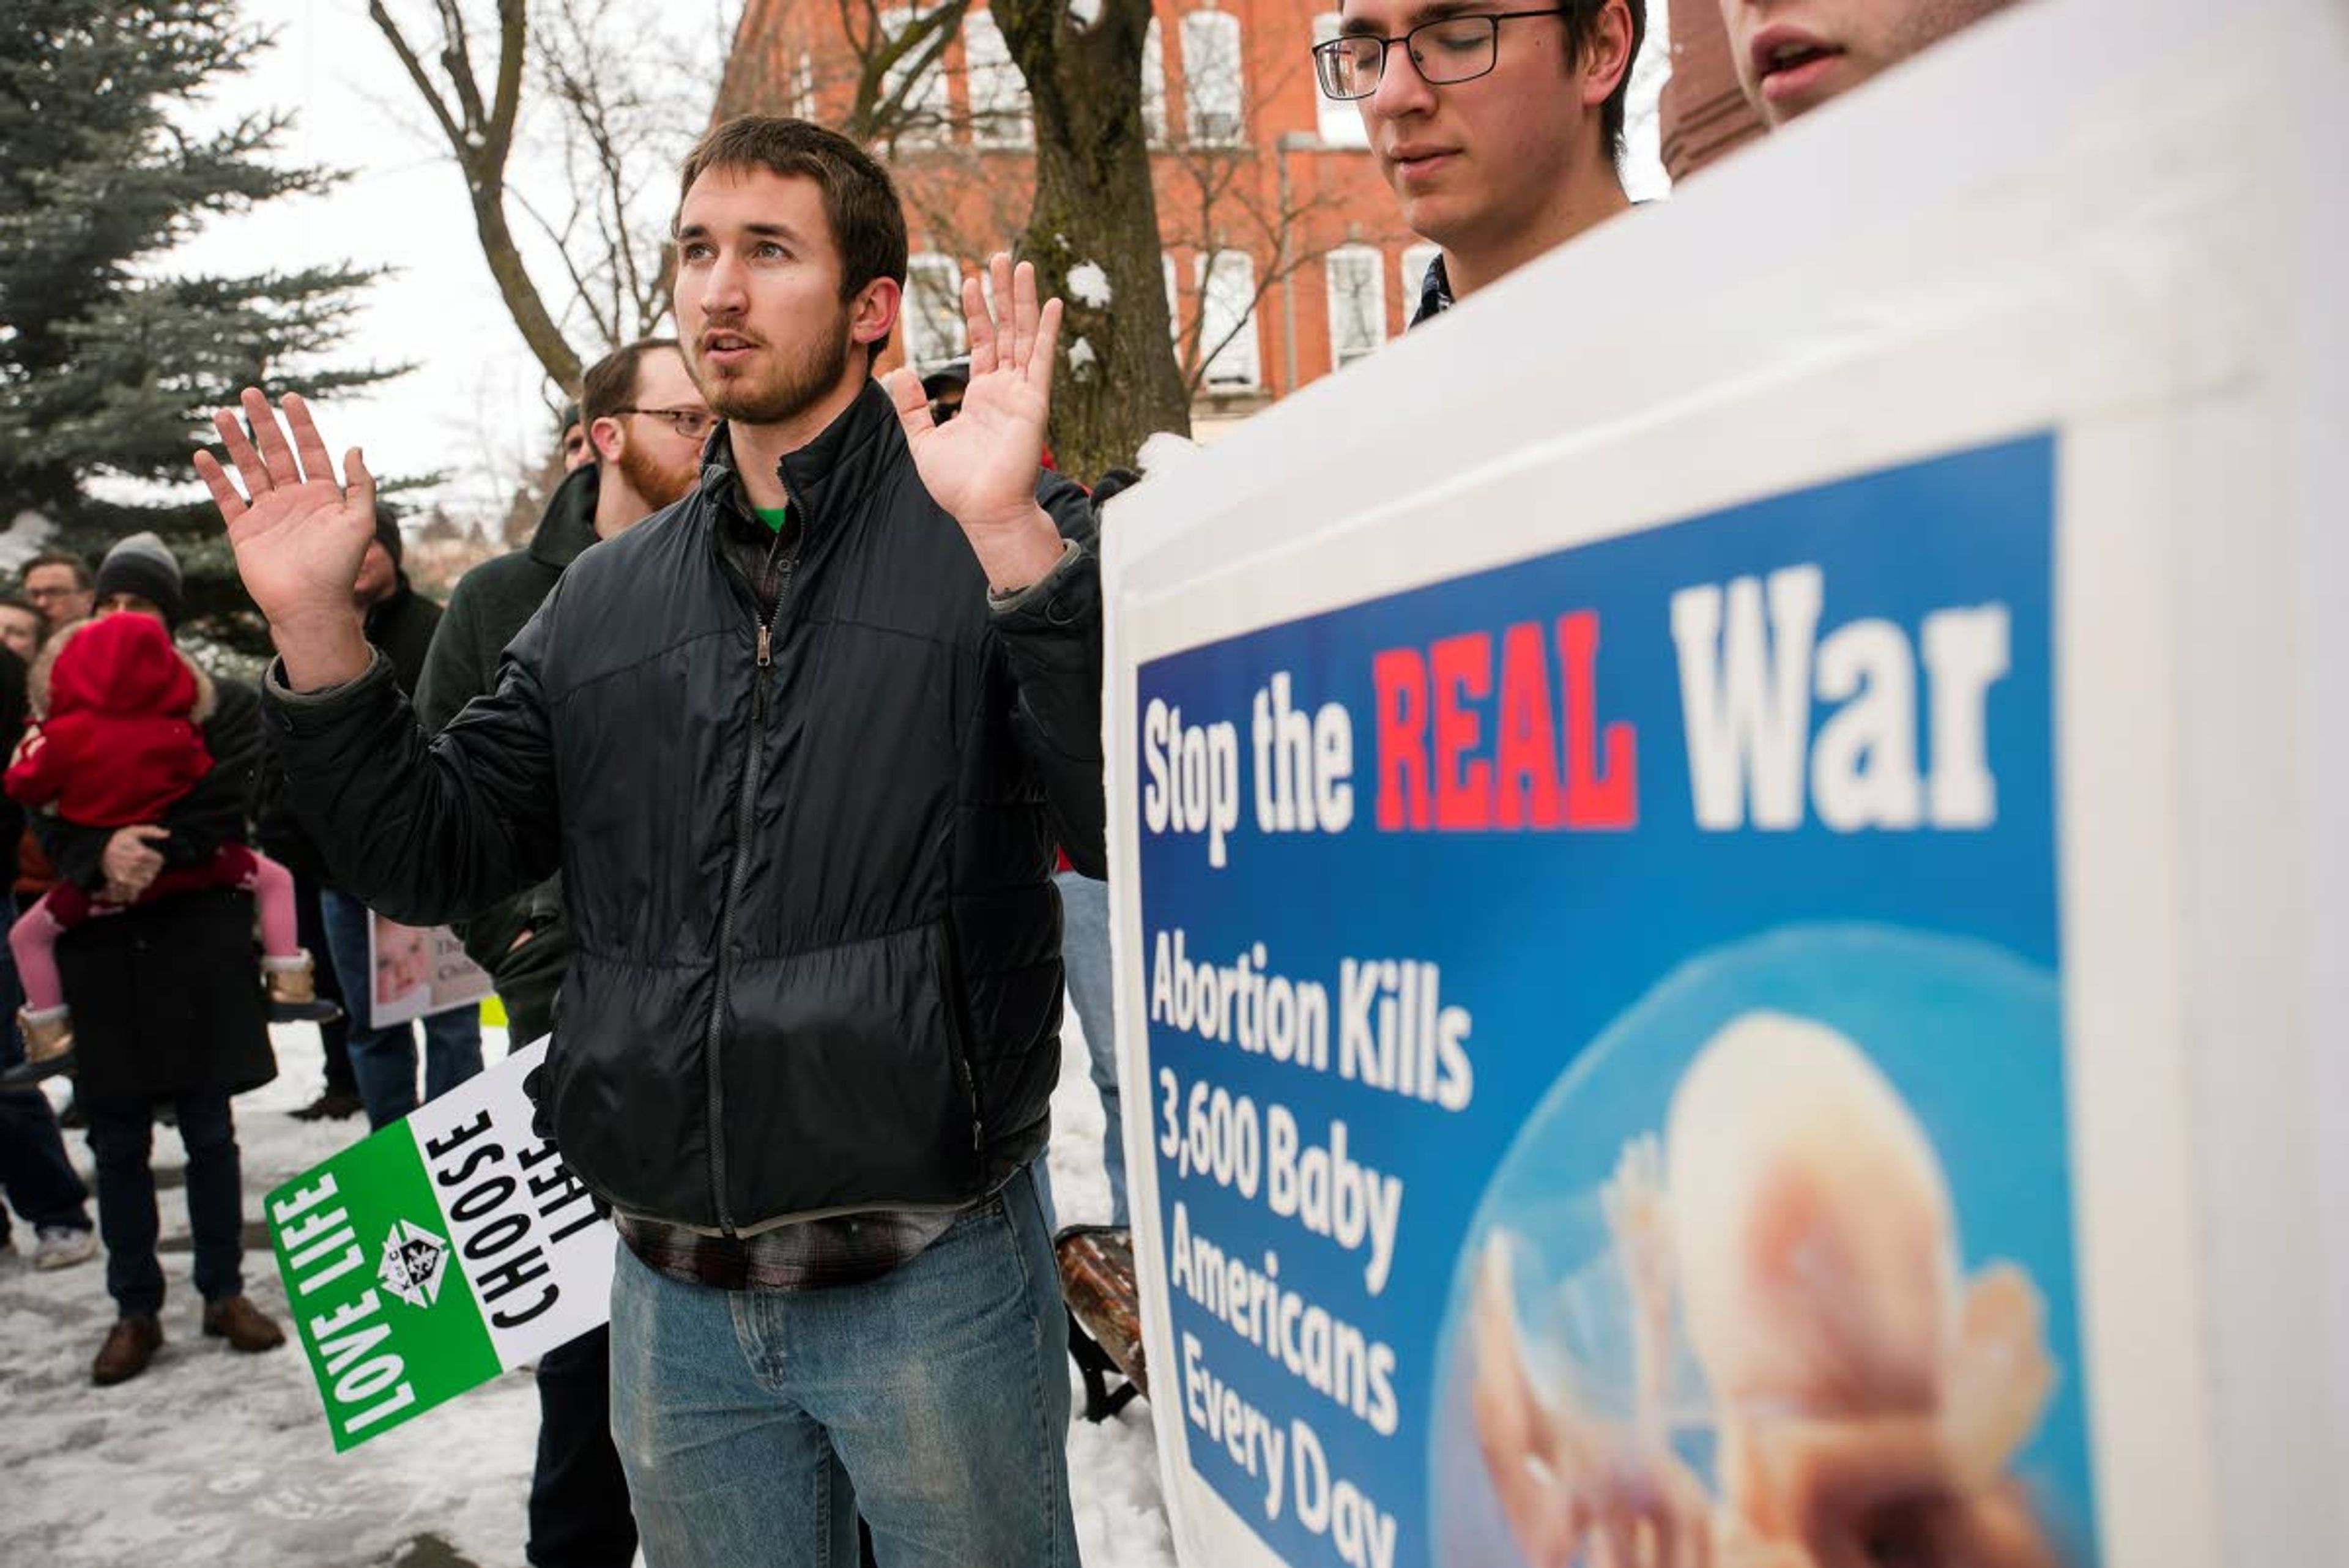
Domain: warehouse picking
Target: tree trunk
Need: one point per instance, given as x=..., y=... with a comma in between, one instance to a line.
x=1117, y=382
x=514, y=286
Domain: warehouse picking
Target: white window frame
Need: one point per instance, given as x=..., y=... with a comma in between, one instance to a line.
x=1154, y=84
x=1214, y=106
x=1237, y=366
x=998, y=97
x=931, y=317
x=1367, y=292
x=1337, y=122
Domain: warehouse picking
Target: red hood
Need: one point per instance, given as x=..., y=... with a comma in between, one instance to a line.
x=124, y=666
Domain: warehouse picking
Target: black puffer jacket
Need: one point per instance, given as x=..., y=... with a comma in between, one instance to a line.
x=817, y=947
x=487, y=610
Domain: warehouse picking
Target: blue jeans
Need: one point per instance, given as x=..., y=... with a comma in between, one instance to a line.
x=36, y=1177
x=754, y=1426
x=121, y=1137
x=1084, y=951
x=383, y=1060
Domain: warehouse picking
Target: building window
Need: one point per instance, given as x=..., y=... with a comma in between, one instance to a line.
x=1154, y=85
x=932, y=315
x=1416, y=260
x=925, y=104
x=998, y=98
x=1228, y=322
x=1340, y=124
x=1358, y=303
x=1211, y=79
x=804, y=104
x=1174, y=303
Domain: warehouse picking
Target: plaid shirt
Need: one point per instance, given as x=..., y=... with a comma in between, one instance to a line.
x=805, y=1255
x=1434, y=292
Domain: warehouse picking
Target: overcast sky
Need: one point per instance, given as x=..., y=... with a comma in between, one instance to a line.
x=476, y=403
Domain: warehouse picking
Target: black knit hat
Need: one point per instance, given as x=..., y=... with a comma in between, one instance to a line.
x=143, y=565
x=387, y=534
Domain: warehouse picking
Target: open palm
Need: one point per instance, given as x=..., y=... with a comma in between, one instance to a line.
x=982, y=466
x=299, y=534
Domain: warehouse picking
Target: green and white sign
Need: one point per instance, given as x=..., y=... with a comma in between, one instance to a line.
x=437, y=1253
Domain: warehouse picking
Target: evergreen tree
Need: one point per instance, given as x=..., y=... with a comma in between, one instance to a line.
x=111, y=362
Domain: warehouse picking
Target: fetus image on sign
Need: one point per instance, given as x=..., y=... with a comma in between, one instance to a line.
x=1798, y=1323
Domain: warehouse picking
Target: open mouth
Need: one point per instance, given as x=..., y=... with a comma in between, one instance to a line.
x=1789, y=65
x=1788, y=57
x=725, y=348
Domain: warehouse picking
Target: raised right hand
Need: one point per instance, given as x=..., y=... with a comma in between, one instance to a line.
x=299, y=534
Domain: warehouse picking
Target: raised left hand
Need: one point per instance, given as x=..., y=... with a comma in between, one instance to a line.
x=982, y=466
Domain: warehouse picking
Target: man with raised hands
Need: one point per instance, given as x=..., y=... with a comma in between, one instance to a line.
x=800, y=746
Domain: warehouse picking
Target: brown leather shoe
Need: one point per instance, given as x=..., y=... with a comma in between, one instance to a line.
x=129, y=1345
x=244, y=1325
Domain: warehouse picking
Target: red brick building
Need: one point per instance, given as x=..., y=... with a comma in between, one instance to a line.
x=1704, y=112
x=1283, y=251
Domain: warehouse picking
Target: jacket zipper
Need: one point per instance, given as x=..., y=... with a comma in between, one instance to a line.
x=738, y=877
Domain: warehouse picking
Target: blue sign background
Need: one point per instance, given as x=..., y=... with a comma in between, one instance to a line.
x=1550, y=938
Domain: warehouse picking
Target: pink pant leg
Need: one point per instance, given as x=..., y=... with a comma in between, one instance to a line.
x=34, y=940
x=273, y=892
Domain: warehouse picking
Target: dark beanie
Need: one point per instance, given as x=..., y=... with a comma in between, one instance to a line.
x=387, y=534
x=142, y=564
x=1112, y=484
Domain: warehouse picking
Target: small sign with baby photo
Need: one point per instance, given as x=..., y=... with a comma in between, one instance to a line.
x=419, y=972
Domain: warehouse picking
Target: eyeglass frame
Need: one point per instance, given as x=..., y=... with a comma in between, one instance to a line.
x=711, y=421
x=1331, y=47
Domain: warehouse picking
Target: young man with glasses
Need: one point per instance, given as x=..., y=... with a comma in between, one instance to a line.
x=1498, y=126
x=59, y=584
x=1793, y=56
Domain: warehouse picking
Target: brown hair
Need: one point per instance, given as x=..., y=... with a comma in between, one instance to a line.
x=67, y=558
x=609, y=384
x=1581, y=17
x=868, y=223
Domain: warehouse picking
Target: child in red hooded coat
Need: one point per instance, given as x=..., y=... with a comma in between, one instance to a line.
x=115, y=742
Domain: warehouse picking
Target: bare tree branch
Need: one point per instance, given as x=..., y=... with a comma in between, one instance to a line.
x=480, y=141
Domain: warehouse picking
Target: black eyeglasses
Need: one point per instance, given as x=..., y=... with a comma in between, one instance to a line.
x=690, y=423
x=1448, y=50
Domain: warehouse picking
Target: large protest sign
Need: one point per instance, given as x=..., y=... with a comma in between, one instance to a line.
x=437, y=1253
x=1724, y=925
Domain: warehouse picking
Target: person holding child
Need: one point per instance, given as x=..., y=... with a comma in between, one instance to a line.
x=114, y=742
x=166, y=1007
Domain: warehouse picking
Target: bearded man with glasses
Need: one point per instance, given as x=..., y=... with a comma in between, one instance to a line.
x=1499, y=128
x=645, y=422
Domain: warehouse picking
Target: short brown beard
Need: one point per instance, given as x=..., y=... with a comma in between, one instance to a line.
x=798, y=385
x=656, y=483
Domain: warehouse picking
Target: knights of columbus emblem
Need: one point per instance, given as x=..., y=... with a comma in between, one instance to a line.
x=411, y=1268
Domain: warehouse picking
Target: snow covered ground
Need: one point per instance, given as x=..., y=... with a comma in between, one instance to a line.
x=212, y=1457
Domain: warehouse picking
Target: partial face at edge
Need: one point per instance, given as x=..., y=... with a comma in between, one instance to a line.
x=1793, y=56
x=20, y=631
